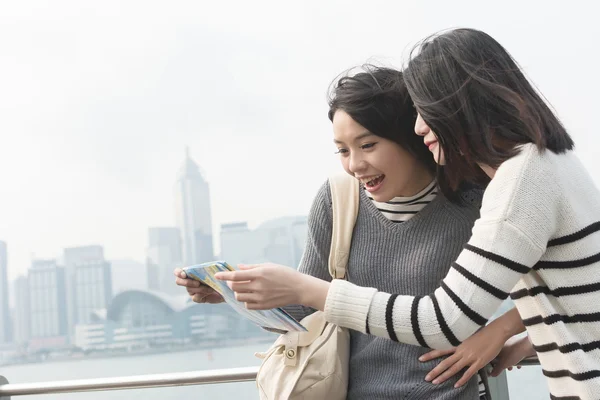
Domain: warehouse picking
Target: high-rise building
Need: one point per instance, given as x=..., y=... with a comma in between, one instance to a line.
x=22, y=322
x=163, y=255
x=90, y=281
x=279, y=240
x=5, y=321
x=47, y=302
x=93, y=289
x=193, y=213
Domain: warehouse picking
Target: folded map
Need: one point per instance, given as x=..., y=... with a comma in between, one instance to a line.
x=276, y=319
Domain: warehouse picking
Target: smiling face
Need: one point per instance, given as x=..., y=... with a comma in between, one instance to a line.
x=430, y=140
x=384, y=168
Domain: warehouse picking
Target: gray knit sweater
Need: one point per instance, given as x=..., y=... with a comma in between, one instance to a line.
x=407, y=258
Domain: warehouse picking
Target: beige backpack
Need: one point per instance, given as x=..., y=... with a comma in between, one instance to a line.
x=314, y=364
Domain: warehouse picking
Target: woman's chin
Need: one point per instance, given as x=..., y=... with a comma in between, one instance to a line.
x=439, y=160
x=382, y=197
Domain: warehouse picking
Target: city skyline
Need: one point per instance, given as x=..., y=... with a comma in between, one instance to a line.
x=64, y=303
x=61, y=301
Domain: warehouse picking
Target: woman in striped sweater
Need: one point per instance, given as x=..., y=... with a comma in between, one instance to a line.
x=537, y=239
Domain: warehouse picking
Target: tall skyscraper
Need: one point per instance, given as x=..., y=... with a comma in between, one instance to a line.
x=47, y=304
x=22, y=322
x=5, y=322
x=90, y=281
x=192, y=209
x=163, y=255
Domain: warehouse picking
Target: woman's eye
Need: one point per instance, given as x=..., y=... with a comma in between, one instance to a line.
x=341, y=151
x=367, y=146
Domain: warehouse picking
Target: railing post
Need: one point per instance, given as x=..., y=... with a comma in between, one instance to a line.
x=499, y=387
x=3, y=381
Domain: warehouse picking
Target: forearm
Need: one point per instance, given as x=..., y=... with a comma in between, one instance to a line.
x=313, y=293
x=508, y=324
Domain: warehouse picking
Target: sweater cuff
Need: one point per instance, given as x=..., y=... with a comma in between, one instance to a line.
x=347, y=305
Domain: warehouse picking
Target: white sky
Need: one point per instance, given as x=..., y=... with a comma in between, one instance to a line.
x=99, y=99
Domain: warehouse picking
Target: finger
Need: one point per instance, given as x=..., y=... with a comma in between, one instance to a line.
x=214, y=298
x=498, y=368
x=436, y=354
x=242, y=286
x=441, y=367
x=179, y=273
x=237, y=275
x=246, y=267
x=467, y=375
x=187, y=282
x=503, y=363
x=258, y=306
x=450, y=372
x=203, y=290
x=246, y=297
x=198, y=298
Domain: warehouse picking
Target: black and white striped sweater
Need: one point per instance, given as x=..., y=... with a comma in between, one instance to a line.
x=538, y=239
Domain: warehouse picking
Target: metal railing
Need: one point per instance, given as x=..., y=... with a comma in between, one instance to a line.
x=163, y=380
x=128, y=382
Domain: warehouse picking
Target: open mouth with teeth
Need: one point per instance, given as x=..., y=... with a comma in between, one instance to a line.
x=373, y=182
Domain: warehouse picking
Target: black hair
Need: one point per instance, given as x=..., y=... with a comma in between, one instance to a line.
x=378, y=100
x=477, y=101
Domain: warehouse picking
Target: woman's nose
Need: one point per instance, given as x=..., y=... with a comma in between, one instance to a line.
x=421, y=127
x=356, y=163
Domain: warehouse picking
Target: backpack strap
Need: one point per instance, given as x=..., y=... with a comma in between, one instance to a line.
x=344, y=203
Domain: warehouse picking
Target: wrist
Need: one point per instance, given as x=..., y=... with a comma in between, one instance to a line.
x=526, y=347
x=300, y=289
x=507, y=332
x=509, y=324
x=312, y=292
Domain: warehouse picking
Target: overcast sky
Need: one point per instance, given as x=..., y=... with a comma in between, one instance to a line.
x=99, y=99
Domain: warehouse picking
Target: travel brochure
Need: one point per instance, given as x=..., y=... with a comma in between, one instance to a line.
x=275, y=320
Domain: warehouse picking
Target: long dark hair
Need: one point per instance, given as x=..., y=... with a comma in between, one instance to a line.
x=377, y=99
x=475, y=98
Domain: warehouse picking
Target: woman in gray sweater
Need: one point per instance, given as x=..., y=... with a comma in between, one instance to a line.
x=406, y=233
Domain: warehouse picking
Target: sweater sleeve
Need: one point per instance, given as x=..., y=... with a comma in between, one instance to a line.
x=315, y=258
x=518, y=217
